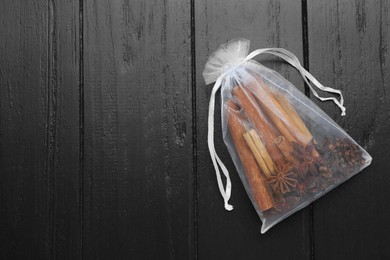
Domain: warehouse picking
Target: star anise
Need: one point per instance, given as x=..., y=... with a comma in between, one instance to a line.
x=283, y=179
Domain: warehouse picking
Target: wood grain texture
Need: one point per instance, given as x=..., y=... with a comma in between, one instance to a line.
x=236, y=234
x=348, y=49
x=99, y=157
x=138, y=130
x=39, y=133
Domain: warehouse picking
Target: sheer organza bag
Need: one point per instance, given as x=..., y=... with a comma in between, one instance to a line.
x=286, y=150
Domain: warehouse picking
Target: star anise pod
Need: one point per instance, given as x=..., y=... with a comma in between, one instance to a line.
x=283, y=179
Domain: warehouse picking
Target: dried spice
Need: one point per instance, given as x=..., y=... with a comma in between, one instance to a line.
x=285, y=147
x=254, y=176
x=294, y=164
x=288, y=159
x=343, y=156
x=283, y=179
x=286, y=150
x=308, y=164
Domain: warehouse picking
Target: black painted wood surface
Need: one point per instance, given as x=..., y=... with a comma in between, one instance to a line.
x=103, y=129
x=348, y=48
x=40, y=201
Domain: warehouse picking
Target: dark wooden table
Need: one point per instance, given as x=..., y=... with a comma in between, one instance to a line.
x=103, y=151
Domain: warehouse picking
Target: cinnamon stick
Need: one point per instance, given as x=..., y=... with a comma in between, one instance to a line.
x=256, y=154
x=294, y=122
x=262, y=150
x=297, y=120
x=259, y=121
x=286, y=149
x=289, y=109
x=258, y=185
x=272, y=110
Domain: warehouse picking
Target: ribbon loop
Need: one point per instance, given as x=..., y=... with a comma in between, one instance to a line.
x=293, y=61
x=219, y=64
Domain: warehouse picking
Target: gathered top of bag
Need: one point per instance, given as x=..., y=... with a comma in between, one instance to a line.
x=228, y=56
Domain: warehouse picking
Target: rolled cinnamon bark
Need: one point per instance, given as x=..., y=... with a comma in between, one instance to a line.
x=290, y=110
x=286, y=149
x=262, y=150
x=297, y=120
x=260, y=122
x=258, y=185
x=280, y=118
x=272, y=110
x=256, y=154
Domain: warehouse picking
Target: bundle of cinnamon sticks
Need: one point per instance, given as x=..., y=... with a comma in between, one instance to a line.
x=271, y=140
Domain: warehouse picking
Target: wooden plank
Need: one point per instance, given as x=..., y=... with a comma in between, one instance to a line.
x=39, y=133
x=236, y=234
x=138, y=136
x=64, y=69
x=348, y=43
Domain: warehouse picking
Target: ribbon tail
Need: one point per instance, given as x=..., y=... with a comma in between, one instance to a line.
x=225, y=192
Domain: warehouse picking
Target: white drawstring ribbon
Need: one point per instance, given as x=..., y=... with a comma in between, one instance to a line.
x=214, y=67
x=293, y=60
x=214, y=157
